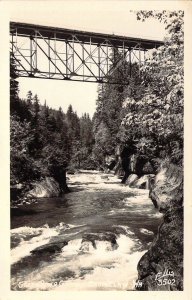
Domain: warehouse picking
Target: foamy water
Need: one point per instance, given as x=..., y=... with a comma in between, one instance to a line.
x=102, y=206
x=105, y=268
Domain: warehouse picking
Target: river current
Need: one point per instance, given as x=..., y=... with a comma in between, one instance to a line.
x=106, y=227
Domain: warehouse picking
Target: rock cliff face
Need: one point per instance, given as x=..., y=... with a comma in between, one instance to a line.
x=161, y=267
x=129, y=164
x=133, y=163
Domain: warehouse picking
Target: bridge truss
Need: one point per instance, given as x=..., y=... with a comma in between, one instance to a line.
x=64, y=54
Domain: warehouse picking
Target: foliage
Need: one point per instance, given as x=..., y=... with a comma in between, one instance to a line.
x=158, y=114
x=82, y=142
x=44, y=141
x=22, y=165
x=14, y=88
x=147, y=114
x=108, y=116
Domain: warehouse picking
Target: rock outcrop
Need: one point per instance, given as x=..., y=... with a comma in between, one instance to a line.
x=48, y=187
x=50, y=247
x=110, y=162
x=143, y=182
x=131, y=180
x=91, y=240
x=161, y=267
x=134, y=163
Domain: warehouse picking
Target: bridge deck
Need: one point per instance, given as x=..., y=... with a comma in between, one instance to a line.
x=25, y=29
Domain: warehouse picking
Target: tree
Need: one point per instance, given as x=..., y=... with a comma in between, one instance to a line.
x=29, y=98
x=83, y=154
x=157, y=115
x=14, y=87
x=17, y=106
x=108, y=116
x=23, y=167
x=36, y=110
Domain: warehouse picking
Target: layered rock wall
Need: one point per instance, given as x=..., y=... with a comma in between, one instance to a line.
x=161, y=267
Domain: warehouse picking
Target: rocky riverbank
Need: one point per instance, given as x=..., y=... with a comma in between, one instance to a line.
x=161, y=267
x=28, y=193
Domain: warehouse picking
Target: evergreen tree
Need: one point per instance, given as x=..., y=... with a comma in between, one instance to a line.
x=36, y=110
x=14, y=88
x=37, y=142
x=108, y=116
x=29, y=99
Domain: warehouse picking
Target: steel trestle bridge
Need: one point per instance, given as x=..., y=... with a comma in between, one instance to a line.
x=65, y=54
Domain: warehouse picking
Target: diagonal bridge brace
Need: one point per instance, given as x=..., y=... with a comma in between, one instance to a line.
x=90, y=55
x=55, y=52
x=70, y=64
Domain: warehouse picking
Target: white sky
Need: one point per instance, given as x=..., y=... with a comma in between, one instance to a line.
x=106, y=17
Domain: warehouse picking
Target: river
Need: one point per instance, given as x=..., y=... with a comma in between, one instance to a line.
x=106, y=227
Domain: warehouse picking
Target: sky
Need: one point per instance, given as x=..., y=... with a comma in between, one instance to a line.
x=113, y=17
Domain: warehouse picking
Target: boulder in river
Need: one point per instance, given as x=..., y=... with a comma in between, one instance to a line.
x=143, y=181
x=48, y=187
x=87, y=246
x=140, y=183
x=50, y=248
x=131, y=180
x=146, y=231
x=94, y=238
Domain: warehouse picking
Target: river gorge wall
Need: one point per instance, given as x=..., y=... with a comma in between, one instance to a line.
x=161, y=267
x=164, y=259
x=135, y=170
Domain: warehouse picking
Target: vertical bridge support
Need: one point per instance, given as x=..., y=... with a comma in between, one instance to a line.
x=64, y=54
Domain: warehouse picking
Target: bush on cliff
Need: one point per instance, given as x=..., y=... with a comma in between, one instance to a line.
x=156, y=117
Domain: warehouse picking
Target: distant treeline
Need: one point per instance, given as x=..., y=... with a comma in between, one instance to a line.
x=45, y=141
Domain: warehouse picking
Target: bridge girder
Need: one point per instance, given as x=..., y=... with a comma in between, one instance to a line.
x=64, y=54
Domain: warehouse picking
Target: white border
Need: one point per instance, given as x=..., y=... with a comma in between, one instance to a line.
x=5, y=292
